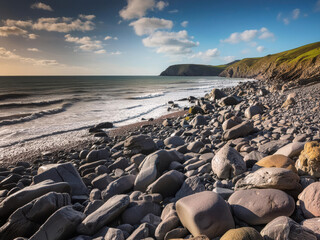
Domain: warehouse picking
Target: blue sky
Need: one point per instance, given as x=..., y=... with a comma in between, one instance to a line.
x=143, y=37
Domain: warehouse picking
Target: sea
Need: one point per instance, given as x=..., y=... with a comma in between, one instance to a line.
x=35, y=107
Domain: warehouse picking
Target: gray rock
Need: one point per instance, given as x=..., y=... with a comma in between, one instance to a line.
x=216, y=94
x=179, y=232
x=139, y=209
x=168, y=184
x=312, y=224
x=195, y=146
x=153, y=166
x=291, y=150
x=228, y=163
x=137, y=159
x=229, y=100
x=139, y=144
x=102, y=181
x=287, y=229
x=229, y=123
x=272, y=147
x=118, y=186
x=167, y=225
x=26, y=220
x=104, y=215
x=64, y=172
x=60, y=225
x=121, y=163
x=114, y=234
x=252, y=111
x=225, y=193
x=93, y=206
x=240, y=130
x=96, y=155
x=27, y=194
x=190, y=186
x=144, y=231
x=198, y=120
x=174, y=141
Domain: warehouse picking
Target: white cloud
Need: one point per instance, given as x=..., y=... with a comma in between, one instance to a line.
x=174, y=11
x=136, y=9
x=87, y=17
x=115, y=38
x=171, y=43
x=5, y=31
x=286, y=21
x=260, y=48
x=317, y=6
x=265, y=33
x=161, y=5
x=145, y=26
x=116, y=53
x=296, y=13
x=207, y=55
x=33, y=36
x=229, y=59
x=18, y=23
x=102, y=51
x=85, y=43
x=63, y=25
x=107, y=38
x=184, y=24
x=33, y=49
x=6, y=54
x=248, y=35
x=42, y=6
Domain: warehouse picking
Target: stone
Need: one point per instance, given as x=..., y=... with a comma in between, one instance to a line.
x=309, y=200
x=309, y=160
x=240, y=130
x=252, y=111
x=102, y=181
x=119, y=186
x=64, y=172
x=26, y=220
x=227, y=163
x=104, y=215
x=121, y=163
x=260, y=206
x=277, y=178
x=168, y=184
x=278, y=161
x=217, y=94
x=139, y=144
x=253, y=157
x=225, y=193
x=96, y=155
x=205, y=213
x=151, y=218
x=229, y=123
x=27, y=194
x=138, y=210
x=190, y=186
x=60, y=225
x=104, y=125
x=198, y=120
x=174, y=141
x=244, y=233
x=289, y=101
x=165, y=226
x=272, y=146
x=291, y=150
x=285, y=228
x=137, y=159
x=229, y=100
x=153, y=166
x=179, y=232
x=114, y=234
x=144, y=231
x=195, y=146
x=312, y=224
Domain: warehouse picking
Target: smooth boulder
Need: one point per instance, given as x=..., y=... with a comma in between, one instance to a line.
x=278, y=161
x=118, y=186
x=309, y=200
x=240, y=130
x=139, y=144
x=244, y=233
x=205, y=213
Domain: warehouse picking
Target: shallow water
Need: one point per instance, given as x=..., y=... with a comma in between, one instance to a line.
x=35, y=107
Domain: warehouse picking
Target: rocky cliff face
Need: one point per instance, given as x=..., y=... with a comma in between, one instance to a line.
x=300, y=64
x=193, y=70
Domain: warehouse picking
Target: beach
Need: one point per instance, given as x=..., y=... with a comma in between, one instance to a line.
x=235, y=151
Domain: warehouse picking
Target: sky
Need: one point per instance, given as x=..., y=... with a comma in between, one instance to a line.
x=144, y=37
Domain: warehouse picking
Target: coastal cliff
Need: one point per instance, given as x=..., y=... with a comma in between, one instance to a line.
x=300, y=65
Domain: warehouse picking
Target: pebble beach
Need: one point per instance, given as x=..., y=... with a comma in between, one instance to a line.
x=241, y=163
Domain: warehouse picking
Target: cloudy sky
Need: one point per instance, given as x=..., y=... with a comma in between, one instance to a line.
x=143, y=37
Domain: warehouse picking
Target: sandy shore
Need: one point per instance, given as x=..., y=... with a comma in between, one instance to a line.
x=66, y=142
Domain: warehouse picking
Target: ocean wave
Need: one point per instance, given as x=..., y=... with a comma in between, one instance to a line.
x=197, y=88
x=13, y=95
x=33, y=116
x=30, y=104
x=147, y=96
x=132, y=107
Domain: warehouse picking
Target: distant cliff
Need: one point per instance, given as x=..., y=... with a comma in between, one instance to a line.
x=298, y=64
x=301, y=63
x=193, y=70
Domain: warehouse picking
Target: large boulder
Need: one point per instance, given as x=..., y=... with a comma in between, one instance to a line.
x=272, y=146
x=190, y=186
x=240, y=130
x=216, y=94
x=174, y=141
x=139, y=144
x=95, y=155
x=153, y=166
x=252, y=111
x=227, y=163
x=168, y=184
x=312, y=224
x=309, y=160
x=198, y=120
x=260, y=206
x=229, y=100
x=244, y=233
x=309, y=200
x=60, y=225
x=285, y=228
x=27, y=194
x=291, y=150
x=205, y=213
x=104, y=215
x=118, y=186
x=64, y=172
x=277, y=178
x=26, y=220
x=278, y=161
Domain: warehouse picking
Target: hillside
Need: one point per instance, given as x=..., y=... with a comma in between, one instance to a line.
x=193, y=70
x=301, y=63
